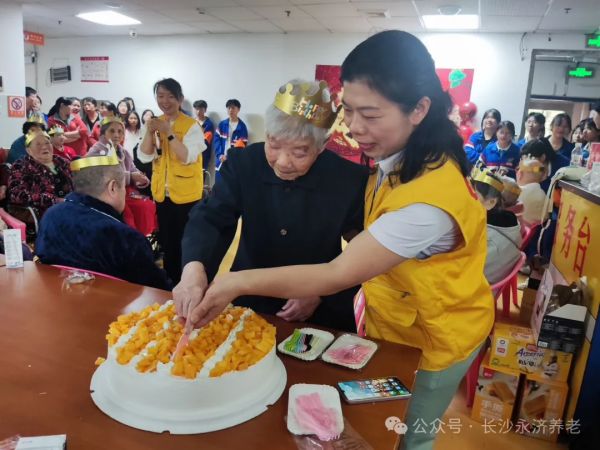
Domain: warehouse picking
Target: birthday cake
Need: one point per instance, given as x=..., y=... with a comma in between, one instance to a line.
x=227, y=374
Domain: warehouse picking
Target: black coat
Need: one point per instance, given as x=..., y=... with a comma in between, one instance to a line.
x=283, y=222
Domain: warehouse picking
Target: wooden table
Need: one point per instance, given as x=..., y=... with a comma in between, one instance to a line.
x=51, y=334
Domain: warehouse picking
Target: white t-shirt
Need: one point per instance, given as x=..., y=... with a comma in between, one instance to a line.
x=533, y=198
x=415, y=231
x=131, y=140
x=193, y=141
x=232, y=127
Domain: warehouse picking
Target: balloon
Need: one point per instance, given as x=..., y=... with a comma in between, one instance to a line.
x=465, y=132
x=467, y=111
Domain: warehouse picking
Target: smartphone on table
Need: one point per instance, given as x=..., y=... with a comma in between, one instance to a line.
x=373, y=390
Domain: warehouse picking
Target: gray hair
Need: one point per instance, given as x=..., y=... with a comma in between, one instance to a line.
x=92, y=181
x=283, y=126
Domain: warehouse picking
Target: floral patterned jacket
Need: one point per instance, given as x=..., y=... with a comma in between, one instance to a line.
x=33, y=184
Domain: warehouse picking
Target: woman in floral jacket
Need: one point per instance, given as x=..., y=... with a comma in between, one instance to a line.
x=40, y=179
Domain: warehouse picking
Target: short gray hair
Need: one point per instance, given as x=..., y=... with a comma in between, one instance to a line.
x=92, y=181
x=283, y=126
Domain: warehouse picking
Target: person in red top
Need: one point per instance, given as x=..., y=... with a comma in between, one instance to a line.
x=76, y=132
x=57, y=138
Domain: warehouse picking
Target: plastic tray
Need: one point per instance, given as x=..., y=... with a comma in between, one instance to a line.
x=347, y=340
x=325, y=338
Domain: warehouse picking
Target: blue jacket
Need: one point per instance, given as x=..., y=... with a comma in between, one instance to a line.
x=17, y=150
x=208, y=127
x=239, y=139
x=86, y=233
x=475, y=146
x=493, y=157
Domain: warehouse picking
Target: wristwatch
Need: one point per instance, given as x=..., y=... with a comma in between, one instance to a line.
x=170, y=138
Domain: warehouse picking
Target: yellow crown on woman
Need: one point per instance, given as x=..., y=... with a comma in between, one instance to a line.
x=484, y=176
x=111, y=119
x=29, y=137
x=316, y=108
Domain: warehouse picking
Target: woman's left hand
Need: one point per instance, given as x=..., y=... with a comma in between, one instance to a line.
x=222, y=291
x=299, y=309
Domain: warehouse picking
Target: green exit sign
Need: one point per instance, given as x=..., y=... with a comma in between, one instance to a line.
x=592, y=40
x=580, y=72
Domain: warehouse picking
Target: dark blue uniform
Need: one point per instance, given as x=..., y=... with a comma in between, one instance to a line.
x=283, y=222
x=87, y=233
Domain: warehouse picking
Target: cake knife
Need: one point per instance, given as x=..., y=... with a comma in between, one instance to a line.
x=182, y=343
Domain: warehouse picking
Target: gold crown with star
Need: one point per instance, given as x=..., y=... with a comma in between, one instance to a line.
x=29, y=137
x=484, y=176
x=298, y=101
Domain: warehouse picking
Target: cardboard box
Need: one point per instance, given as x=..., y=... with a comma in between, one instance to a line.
x=527, y=303
x=513, y=349
x=495, y=395
x=559, y=329
x=541, y=409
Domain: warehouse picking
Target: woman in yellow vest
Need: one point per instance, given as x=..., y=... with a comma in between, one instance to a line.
x=421, y=257
x=173, y=143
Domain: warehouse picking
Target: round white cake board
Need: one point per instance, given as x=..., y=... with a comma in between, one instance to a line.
x=202, y=421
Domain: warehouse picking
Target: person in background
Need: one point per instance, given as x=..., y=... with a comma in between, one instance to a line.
x=482, y=138
x=146, y=116
x=40, y=179
x=132, y=132
x=288, y=181
x=577, y=134
x=532, y=171
x=112, y=131
x=200, y=108
x=107, y=109
x=503, y=154
x=57, y=139
x=560, y=127
x=422, y=253
x=130, y=102
x=503, y=229
x=18, y=149
x=232, y=132
x=76, y=133
x=37, y=109
x=87, y=231
x=75, y=106
x=535, y=126
x=90, y=113
x=595, y=114
x=30, y=95
x=173, y=143
x=591, y=134
x=123, y=109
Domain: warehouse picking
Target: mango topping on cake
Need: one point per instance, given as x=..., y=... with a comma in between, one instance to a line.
x=237, y=339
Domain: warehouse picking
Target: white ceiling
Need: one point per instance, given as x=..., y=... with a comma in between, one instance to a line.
x=56, y=18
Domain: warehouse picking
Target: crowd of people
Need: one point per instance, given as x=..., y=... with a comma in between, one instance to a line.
x=426, y=208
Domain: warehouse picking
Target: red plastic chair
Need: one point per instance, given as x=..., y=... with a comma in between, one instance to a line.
x=527, y=234
x=97, y=274
x=508, y=287
x=15, y=223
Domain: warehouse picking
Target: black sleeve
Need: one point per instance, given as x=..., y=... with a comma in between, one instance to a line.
x=355, y=219
x=140, y=266
x=213, y=222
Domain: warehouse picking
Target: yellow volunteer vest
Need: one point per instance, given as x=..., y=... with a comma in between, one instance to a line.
x=184, y=181
x=443, y=304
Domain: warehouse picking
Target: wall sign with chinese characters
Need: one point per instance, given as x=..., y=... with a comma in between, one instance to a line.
x=94, y=69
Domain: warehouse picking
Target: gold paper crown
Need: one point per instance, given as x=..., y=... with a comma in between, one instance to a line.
x=56, y=130
x=36, y=118
x=94, y=161
x=32, y=135
x=526, y=165
x=486, y=177
x=312, y=108
x=112, y=119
